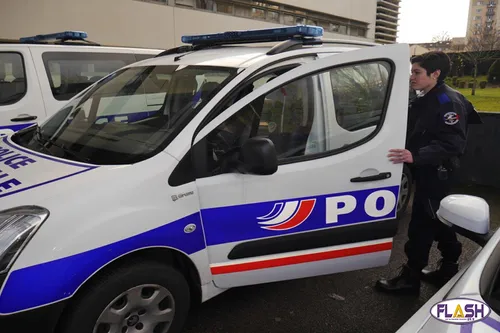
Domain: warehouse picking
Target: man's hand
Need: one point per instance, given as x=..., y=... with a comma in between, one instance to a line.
x=400, y=156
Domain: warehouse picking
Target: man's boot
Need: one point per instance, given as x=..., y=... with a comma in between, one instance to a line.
x=442, y=275
x=406, y=282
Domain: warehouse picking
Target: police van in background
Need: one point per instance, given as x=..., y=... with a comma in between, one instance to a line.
x=217, y=164
x=40, y=74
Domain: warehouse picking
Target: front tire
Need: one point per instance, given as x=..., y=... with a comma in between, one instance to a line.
x=145, y=297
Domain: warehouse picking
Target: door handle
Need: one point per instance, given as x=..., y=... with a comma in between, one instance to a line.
x=24, y=117
x=380, y=176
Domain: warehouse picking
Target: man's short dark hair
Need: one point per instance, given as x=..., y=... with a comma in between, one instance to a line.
x=432, y=61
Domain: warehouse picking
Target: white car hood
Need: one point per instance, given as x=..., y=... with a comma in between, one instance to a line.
x=32, y=178
x=465, y=284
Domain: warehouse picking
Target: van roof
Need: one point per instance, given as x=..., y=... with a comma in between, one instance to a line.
x=242, y=56
x=64, y=39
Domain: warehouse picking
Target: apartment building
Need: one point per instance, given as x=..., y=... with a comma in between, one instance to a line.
x=386, y=28
x=161, y=23
x=483, y=14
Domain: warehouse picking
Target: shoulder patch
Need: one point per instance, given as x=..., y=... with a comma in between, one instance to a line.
x=443, y=98
x=451, y=118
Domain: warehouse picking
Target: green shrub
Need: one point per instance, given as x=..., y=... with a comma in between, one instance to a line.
x=494, y=72
x=482, y=84
x=462, y=84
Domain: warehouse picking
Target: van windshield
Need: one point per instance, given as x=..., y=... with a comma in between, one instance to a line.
x=129, y=116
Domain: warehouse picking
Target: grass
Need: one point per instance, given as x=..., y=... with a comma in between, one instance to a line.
x=485, y=100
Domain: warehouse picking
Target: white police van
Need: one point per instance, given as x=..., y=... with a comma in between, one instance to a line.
x=213, y=165
x=40, y=74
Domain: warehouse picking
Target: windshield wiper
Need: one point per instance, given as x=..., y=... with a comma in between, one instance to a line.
x=43, y=141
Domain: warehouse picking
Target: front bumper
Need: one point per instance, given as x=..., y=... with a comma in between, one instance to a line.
x=39, y=320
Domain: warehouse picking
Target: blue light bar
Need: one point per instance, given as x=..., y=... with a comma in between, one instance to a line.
x=255, y=36
x=65, y=35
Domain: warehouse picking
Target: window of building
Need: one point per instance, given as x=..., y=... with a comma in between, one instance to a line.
x=258, y=14
x=224, y=7
x=479, y=10
x=273, y=16
x=206, y=5
x=188, y=3
x=272, y=12
x=480, y=3
x=289, y=20
x=12, y=78
x=243, y=11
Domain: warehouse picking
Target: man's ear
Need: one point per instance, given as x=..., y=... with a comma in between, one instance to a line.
x=435, y=74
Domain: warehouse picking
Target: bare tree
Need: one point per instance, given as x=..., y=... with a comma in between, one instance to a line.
x=482, y=45
x=442, y=37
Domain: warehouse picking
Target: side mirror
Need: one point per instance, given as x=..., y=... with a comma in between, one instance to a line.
x=259, y=156
x=467, y=215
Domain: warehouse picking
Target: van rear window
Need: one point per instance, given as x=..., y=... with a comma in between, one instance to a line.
x=71, y=72
x=12, y=78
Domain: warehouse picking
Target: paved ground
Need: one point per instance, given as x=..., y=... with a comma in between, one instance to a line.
x=312, y=305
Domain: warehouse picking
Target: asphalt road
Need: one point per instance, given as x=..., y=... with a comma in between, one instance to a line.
x=337, y=303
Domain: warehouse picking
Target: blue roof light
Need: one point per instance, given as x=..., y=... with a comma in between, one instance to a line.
x=65, y=35
x=255, y=36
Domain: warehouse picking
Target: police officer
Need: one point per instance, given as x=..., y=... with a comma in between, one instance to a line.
x=437, y=133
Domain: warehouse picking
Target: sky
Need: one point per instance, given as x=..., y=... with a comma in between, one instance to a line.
x=421, y=20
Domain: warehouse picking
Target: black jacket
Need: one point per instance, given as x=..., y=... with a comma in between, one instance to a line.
x=438, y=126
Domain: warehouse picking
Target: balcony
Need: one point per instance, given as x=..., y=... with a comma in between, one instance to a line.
x=383, y=22
x=388, y=18
x=388, y=3
x=382, y=29
x=383, y=35
x=387, y=10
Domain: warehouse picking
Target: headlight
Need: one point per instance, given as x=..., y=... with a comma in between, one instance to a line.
x=17, y=225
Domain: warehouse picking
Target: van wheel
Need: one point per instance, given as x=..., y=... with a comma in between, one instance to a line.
x=146, y=297
x=405, y=191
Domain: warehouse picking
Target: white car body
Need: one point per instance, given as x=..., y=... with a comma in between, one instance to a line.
x=36, y=71
x=332, y=212
x=476, y=282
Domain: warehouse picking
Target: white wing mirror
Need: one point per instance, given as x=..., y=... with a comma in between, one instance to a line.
x=468, y=215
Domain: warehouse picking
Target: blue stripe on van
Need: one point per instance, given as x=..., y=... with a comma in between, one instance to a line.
x=59, y=279
x=17, y=127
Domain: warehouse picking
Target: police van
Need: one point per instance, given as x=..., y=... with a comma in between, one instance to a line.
x=238, y=158
x=40, y=74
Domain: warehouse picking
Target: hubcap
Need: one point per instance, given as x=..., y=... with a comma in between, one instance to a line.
x=142, y=309
x=404, y=191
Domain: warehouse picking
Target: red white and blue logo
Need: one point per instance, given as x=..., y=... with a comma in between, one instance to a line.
x=286, y=216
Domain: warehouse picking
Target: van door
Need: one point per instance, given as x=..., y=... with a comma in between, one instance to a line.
x=21, y=102
x=331, y=205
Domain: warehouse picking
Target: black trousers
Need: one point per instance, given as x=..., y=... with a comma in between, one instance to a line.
x=425, y=227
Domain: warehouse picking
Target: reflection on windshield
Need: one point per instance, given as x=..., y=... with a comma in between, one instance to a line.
x=131, y=115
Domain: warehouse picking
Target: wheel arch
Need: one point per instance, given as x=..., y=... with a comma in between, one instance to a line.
x=164, y=255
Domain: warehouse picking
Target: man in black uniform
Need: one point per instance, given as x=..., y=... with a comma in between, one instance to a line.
x=437, y=135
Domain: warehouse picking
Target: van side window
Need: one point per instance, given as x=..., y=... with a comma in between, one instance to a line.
x=71, y=72
x=12, y=78
x=359, y=94
x=304, y=119
x=290, y=116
